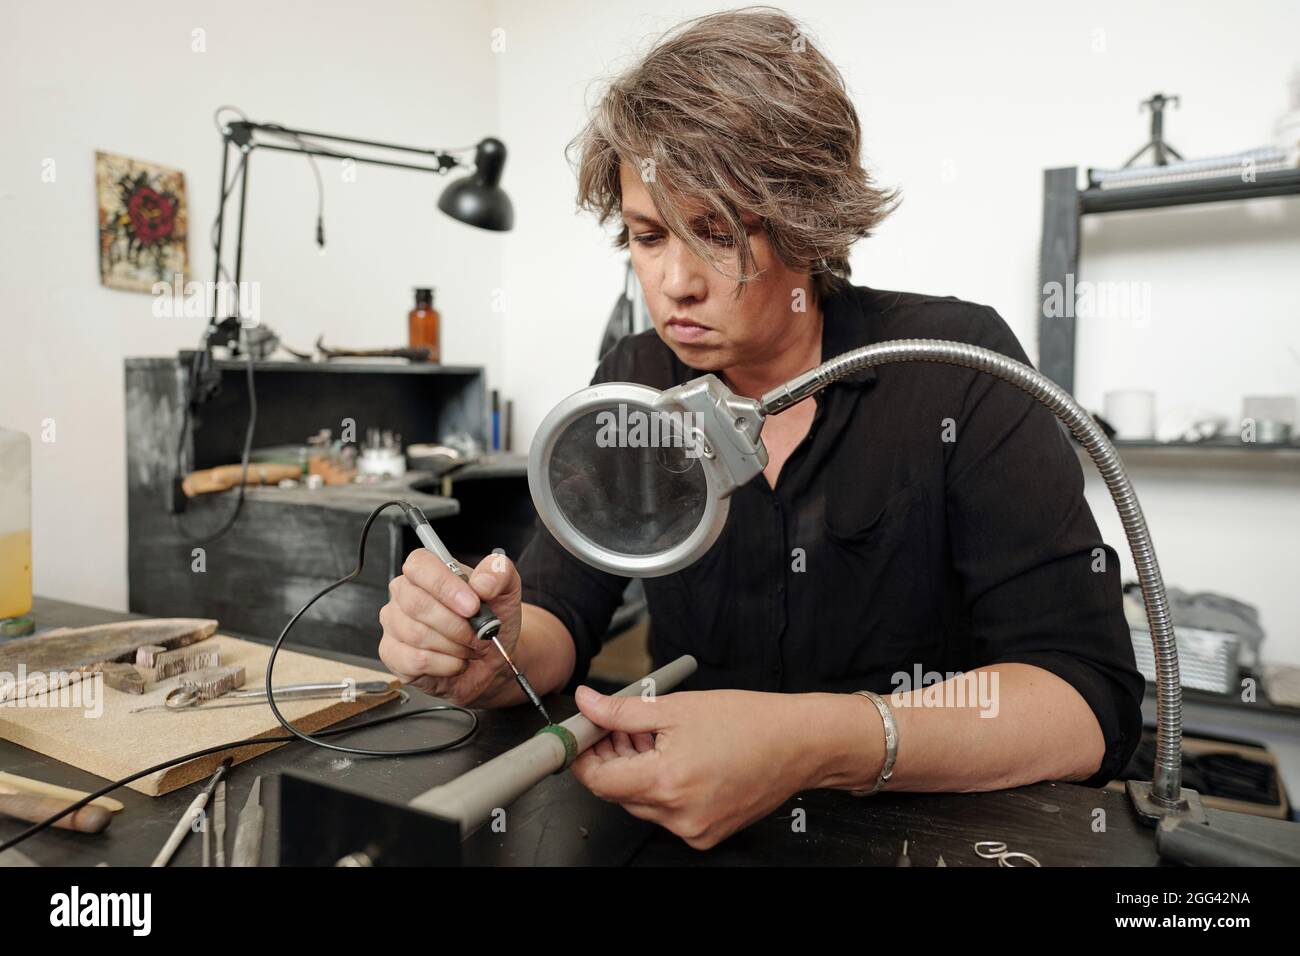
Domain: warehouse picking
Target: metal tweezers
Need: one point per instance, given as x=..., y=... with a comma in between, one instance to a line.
x=187, y=698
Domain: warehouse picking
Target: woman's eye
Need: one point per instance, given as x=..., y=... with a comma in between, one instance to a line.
x=717, y=238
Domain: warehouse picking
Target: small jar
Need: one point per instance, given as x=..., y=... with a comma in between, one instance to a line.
x=15, y=529
x=423, y=322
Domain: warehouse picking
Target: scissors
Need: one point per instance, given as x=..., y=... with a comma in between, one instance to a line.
x=996, y=850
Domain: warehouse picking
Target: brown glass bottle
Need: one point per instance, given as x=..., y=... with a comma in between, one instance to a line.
x=424, y=325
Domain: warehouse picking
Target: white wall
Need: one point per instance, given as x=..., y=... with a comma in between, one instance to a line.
x=123, y=78
x=1224, y=322
x=963, y=106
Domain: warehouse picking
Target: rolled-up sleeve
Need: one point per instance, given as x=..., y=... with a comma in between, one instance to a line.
x=1040, y=586
x=582, y=597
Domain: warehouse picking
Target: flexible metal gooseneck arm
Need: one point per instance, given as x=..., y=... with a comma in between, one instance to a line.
x=1164, y=796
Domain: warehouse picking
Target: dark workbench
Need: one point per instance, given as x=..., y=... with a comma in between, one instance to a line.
x=559, y=822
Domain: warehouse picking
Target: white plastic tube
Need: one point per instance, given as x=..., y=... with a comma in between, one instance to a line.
x=472, y=797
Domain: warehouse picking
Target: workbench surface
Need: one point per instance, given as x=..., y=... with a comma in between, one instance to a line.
x=560, y=823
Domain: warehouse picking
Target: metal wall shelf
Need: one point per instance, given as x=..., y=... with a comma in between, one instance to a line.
x=1280, y=182
x=1064, y=205
x=1217, y=454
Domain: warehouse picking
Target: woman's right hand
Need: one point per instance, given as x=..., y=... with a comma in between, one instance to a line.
x=427, y=639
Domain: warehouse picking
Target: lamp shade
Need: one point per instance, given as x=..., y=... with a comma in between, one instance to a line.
x=478, y=199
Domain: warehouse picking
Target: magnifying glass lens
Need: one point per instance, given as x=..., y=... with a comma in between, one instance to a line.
x=629, y=479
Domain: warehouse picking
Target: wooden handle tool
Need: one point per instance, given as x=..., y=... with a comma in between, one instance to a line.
x=34, y=809
x=225, y=477
x=12, y=783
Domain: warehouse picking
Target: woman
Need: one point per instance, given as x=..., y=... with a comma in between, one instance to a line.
x=915, y=525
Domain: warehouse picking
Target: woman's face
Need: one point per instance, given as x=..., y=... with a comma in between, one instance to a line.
x=693, y=306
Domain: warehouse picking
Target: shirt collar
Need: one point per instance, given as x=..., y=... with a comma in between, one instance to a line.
x=846, y=325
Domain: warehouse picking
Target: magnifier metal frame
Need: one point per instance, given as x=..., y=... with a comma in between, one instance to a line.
x=725, y=467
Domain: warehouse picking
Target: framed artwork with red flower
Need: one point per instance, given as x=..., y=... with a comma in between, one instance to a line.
x=142, y=223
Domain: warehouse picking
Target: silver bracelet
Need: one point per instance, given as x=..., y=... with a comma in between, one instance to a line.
x=891, y=742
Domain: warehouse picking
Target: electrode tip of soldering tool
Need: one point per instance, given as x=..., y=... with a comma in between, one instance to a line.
x=522, y=681
x=532, y=695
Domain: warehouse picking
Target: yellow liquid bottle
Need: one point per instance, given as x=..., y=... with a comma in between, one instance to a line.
x=15, y=524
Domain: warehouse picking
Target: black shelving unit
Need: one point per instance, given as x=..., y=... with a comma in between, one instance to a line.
x=1064, y=206
x=289, y=543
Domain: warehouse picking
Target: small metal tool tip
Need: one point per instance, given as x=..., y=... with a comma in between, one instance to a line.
x=532, y=695
x=504, y=654
x=522, y=681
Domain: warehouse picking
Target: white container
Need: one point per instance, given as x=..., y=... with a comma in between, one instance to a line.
x=1132, y=414
x=1288, y=126
x=15, y=524
x=1273, y=416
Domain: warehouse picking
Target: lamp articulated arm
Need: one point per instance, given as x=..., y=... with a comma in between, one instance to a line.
x=243, y=134
x=476, y=199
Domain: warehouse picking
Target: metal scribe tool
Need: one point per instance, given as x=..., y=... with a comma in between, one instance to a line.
x=193, y=812
x=248, y=832
x=219, y=824
x=485, y=624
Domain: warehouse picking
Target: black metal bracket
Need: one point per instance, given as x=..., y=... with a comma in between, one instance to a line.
x=1161, y=151
x=325, y=825
x=240, y=133
x=1151, y=811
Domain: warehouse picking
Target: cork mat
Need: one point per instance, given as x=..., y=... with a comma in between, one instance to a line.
x=96, y=731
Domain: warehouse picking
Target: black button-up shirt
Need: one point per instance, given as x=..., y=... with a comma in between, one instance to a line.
x=932, y=519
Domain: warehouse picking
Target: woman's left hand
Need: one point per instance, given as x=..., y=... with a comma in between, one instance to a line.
x=702, y=764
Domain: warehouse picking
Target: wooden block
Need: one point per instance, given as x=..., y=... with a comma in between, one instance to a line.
x=119, y=743
x=212, y=682
x=185, y=659
x=147, y=655
x=60, y=657
x=123, y=677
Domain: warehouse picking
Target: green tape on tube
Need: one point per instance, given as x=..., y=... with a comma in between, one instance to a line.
x=566, y=737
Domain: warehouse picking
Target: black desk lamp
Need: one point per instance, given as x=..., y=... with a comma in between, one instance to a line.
x=477, y=199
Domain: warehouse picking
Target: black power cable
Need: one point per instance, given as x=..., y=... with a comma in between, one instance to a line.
x=275, y=649
x=186, y=413
x=244, y=458
x=294, y=734
x=186, y=420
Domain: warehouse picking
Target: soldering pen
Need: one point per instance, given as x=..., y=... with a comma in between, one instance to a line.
x=485, y=624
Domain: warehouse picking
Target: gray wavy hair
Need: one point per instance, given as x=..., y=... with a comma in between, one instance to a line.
x=738, y=113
